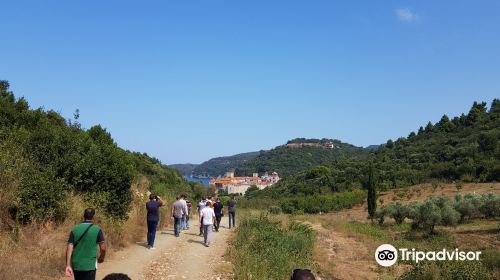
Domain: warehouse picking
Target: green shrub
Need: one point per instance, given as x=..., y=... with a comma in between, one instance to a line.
x=41, y=197
x=440, y=211
x=397, y=211
x=490, y=205
x=467, y=206
x=380, y=215
x=322, y=203
x=452, y=270
x=265, y=249
x=491, y=259
x=275, y=210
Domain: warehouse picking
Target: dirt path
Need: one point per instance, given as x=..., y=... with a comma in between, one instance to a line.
x=183, y=257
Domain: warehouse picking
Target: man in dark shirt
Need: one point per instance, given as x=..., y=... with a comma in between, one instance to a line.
x=81, y=252
x=153, y=207
x=231, y=211
x=218, y=213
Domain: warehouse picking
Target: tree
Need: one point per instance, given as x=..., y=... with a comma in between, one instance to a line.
x=429, y=214
x=429, y=127
x=397, y=211
x=487, y=142
x=251, y=191
x=389, y=144
x=372, y=193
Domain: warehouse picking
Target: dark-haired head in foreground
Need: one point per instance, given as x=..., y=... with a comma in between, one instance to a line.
x=89, y=213
x=302, y=274
x=116, y=276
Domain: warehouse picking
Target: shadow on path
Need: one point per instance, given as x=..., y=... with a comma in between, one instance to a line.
x=195, y=241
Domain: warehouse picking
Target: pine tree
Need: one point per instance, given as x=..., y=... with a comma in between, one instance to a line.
x=372, y=193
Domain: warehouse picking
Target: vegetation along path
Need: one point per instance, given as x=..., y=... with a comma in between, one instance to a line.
x=184, y=257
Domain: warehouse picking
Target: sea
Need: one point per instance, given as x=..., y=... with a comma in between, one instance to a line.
x=204, y=181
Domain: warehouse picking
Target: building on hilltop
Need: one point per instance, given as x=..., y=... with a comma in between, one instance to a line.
x=239, y=185
x=329, y=145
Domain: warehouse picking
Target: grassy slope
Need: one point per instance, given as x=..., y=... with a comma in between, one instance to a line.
x=347, y=239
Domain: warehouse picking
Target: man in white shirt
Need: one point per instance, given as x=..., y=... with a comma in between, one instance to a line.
x=207, y=218
x=184, y=218
x=201, y=205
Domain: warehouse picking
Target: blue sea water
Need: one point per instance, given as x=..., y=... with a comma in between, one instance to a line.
x=204, y=181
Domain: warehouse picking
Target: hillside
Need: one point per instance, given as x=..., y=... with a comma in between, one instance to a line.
x=184, y=168
x=45, y=160
x=465, y=148
x=220, y=165
x=298, y=155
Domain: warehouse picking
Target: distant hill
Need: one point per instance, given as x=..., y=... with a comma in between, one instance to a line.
x=220, y=165
x=298, y=155
x=184, y=168
x=463, y=149
x=373, y=147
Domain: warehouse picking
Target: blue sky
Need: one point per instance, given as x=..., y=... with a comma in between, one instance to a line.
x=189, y=80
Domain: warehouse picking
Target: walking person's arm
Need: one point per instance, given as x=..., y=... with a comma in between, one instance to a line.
x=69, y=252
x=102, y=252
x=102, y=247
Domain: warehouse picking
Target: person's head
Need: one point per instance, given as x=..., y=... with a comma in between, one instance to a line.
x=218, y=199
x=116, y=276
x=178, y=197
x=208, y=204
x=302, y=274
x=88, y=214
x=209, y=198
x=183, y=196
x=232, y=196
x=152, y=196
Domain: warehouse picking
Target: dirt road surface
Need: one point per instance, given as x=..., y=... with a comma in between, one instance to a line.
x=183, y=257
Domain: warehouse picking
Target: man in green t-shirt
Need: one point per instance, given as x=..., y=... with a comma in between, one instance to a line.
x=81, y=254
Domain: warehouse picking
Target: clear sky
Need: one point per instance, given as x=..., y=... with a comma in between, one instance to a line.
x=189, y=80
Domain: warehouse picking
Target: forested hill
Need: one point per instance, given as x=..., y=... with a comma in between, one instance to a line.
x=298, y=155
x=184, y=168
x=220, y=165
x=465, y=148
x=44, y=159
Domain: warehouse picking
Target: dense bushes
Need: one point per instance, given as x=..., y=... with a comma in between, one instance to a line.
x=43, y=158
x=266, y=249
x=322, y=203
x=452, y=270
x=442, y=211
x=462, y=149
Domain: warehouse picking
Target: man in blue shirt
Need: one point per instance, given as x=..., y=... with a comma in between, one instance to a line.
x=153, y=207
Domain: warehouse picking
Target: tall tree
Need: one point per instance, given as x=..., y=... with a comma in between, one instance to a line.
x=372, y=193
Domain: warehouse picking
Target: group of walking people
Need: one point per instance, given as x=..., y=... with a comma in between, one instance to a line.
x=81, y=253
x=84, y=238
x=210, y=213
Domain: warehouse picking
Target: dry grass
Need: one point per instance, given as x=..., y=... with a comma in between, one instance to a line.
x=346, y=240
x=37, y=251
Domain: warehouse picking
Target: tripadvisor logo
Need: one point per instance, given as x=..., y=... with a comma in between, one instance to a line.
x=387, y=255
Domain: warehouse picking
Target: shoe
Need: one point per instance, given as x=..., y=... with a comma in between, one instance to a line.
x=207, y=245
x=152, y=248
